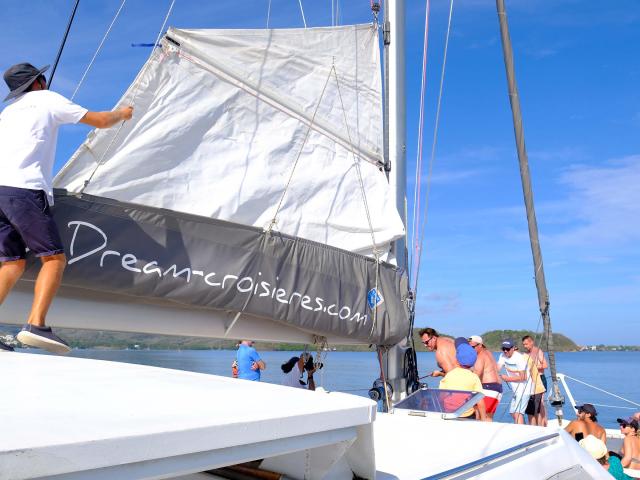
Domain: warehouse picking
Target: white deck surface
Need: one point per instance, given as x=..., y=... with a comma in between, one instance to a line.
x=410, y=447
x=72, y=415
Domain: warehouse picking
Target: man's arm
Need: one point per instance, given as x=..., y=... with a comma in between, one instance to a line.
x=542, y=361
x=519, y=376
x=107, y=119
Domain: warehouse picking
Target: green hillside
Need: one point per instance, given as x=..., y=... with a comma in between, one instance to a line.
x=119, y=340
x=494, y=338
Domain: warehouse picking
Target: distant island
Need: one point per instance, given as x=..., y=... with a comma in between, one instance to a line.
x=134, y=341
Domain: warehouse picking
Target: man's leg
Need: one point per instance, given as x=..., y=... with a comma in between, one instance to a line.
x=10, y=273
x=35, y=333
x=47, y=285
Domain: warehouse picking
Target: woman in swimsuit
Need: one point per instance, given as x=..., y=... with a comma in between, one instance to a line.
x=631, y=447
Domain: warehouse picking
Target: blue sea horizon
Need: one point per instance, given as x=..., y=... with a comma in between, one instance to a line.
x=354, y=372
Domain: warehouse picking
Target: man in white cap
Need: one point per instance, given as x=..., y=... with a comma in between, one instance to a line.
x=28, y=136
x=487, y=369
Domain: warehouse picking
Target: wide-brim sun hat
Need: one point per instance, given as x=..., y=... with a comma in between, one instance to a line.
x=19, y=77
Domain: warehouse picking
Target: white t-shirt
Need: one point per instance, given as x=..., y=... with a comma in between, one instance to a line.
x=517, y=363
x=292, y=379
x=28, y=137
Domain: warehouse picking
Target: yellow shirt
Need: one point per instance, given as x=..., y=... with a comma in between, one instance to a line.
x=461, y=379
x=538, y=386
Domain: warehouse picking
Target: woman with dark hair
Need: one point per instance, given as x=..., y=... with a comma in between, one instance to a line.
x=293, y=369
x=631, y=445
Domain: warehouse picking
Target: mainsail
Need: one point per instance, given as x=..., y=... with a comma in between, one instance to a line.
x=248, y=186
x=222, y=118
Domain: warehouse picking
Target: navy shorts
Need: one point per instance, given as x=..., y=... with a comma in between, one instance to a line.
x=26, y=222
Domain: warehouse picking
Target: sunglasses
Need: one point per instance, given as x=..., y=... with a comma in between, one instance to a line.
x=425, y=342
x=507, y=349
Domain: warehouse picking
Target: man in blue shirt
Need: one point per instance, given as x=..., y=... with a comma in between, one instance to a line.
x=249, y=362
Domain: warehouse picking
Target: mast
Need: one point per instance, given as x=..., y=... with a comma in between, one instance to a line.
x=397, y=117
x=556, y=399
x=394, y=44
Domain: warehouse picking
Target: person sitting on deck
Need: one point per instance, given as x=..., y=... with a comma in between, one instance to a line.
x=444, y=348
x=598, y=450
x=630, y=450
x=28, y=135
x=586, y=423
x=463, y=378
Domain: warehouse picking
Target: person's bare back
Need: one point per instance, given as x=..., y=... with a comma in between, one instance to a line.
x=486, y=367
x=446, y=354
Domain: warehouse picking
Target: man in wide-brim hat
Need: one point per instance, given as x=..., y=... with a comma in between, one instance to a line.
x=28, y=136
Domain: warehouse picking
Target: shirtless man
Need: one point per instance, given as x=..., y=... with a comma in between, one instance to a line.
x=586, y=423
x=540, y=362
x=445, y=350
x=487, y=369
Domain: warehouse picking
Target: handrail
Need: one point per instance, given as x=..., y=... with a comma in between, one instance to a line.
x=490, y=458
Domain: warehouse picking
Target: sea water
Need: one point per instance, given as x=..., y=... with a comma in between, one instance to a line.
x=354, y=372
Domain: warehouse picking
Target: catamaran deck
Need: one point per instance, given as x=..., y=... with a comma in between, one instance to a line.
x=77, y=418
x=69, y=418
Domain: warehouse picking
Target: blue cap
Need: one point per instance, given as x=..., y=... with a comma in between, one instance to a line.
x=508, y=343
x=466, y=355
x=460, y=340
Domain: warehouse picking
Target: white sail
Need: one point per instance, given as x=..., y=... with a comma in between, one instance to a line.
x=222, y=116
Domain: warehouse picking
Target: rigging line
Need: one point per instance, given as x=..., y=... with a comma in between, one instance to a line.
x=64, y=41
x=612, y=406
x=295, y=163
x=417, y=194
x=164, y=24
x=268, y=13
x=356, y=163
x=433, y=148
x=95, y=55
x=332, y=13
x=304, y=20
x=604, y=391
x=133, y=100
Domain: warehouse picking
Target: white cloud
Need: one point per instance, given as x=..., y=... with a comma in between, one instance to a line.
x=605, y=201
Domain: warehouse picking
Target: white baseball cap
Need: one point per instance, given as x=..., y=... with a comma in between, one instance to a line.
x=476, y=339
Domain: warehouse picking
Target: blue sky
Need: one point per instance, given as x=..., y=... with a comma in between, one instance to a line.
x=578, y=68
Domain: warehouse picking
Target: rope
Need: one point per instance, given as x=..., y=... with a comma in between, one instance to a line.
x=433, y=146
x=295, y=163
x=384, y=381
x=604, y=391
x=268, y=13
x=304, y=20
x=133, y=101
x=95, y=55
x=358, y=170
x=418, y=190
x=374, y=246
x=613, y=406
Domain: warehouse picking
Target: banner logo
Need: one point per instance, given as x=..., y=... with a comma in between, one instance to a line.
x=374, y=298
